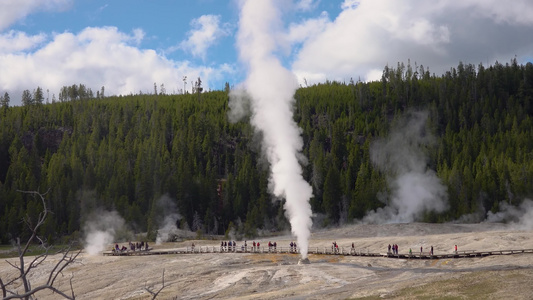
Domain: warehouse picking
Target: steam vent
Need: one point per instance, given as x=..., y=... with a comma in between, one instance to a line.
x=304, y=261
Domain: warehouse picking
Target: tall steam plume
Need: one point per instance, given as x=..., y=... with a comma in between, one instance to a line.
x=270, y=88
x=414, y=188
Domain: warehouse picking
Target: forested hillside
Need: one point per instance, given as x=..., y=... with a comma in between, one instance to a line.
x=124, y=153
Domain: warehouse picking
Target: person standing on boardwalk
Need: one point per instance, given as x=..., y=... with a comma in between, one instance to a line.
x=432, y=250
x=455, y=248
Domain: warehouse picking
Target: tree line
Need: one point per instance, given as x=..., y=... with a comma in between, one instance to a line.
x=124, y=153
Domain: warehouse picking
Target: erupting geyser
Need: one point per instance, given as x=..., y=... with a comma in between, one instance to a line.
x=271, y=88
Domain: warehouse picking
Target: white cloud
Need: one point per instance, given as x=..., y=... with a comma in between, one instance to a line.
x=517, y=12
x=306, y=4
x=15, y=41
x=206, y=31
x=95, y=57
x=369, y=34
x=103, y=7
x=350, y=4
x=14, y=10
x=300, y=32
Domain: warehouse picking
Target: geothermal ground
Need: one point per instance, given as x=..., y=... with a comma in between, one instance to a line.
x=278, y=276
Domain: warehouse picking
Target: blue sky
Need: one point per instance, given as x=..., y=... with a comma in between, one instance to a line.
x=128, y=45
x=164, y=23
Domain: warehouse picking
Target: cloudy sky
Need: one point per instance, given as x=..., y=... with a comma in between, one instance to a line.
x=128, y=45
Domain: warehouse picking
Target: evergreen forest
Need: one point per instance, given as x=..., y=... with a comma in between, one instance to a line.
x=124, y=153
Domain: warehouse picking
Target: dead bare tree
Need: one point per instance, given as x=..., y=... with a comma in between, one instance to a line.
x=155, y=294
x=9, y=288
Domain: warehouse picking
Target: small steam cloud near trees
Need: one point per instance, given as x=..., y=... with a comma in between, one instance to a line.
x=413, y=188
x=102, y=228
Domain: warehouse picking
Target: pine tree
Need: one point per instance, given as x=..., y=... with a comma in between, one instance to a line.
x=4, y=100
x=26, y=98
x=38, y=97
x=332, y=194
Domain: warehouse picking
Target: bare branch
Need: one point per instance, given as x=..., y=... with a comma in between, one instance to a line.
x=155, y=294
x=4, y=294
x=11, y=281
x=71, y=287
x=37, y=289
x=37, y=261
x=43, y=243
x=40, y=220
x=62, y=264
x=11, y=264
x=24, y=270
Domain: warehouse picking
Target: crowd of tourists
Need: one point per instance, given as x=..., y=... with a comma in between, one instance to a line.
x=137, y=246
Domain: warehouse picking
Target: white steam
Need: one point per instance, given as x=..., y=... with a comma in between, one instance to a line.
x=101, y=229
x=270, y=88
x=414, y=189
x=239, y=105
x=169, y=217
x=520, y=217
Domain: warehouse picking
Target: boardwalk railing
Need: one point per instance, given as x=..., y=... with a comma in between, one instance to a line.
x=319, y=251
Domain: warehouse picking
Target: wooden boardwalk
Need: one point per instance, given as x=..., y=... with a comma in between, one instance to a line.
x=316, y=250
